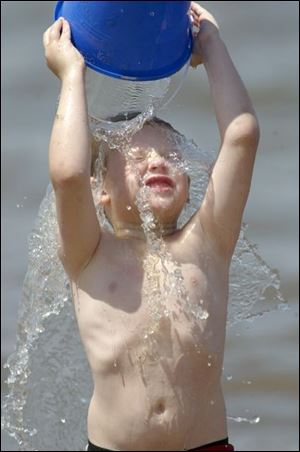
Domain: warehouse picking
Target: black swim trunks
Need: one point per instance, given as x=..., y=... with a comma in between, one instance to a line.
x=217, y=445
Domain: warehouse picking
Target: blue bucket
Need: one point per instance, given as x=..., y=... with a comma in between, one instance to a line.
x=133, y=40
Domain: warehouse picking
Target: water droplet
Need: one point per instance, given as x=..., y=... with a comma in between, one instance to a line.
x=247, y=382
x=284, y=307
x=209, y=364
x=128, y=207
x=202, y=315
x=255, y=420
x=229, y=377
x=63, y=421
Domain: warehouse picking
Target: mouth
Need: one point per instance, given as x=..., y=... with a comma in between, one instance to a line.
x=160, y=183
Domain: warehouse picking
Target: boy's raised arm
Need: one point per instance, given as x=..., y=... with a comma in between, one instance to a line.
x=70, y=153
x=221, y=212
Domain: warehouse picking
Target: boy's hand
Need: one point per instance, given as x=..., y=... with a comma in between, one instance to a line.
x=62, y=57
x=206, y=26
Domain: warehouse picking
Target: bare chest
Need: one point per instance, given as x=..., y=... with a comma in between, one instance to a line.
x=138, y=313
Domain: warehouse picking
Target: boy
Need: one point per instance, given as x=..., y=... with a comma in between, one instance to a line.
x=165, y=396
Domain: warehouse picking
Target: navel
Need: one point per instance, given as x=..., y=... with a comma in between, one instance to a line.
x=194, y=281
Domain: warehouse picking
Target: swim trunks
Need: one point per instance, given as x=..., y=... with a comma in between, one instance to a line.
x=217, y=445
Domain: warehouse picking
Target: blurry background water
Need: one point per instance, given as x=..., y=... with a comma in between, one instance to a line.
x=261, y=361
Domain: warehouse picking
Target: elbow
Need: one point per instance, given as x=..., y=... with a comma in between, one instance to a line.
x=252, y=131
x=243, y=131
x=68, y=178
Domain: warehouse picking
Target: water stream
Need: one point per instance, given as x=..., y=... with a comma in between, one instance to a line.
x=49, y=380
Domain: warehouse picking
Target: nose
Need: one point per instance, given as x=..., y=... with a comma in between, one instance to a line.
x=157, y=162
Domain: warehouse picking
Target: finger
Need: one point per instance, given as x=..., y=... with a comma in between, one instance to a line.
x=55, y=30
x=66, y=31
x=195, y=61
x=46, y=37
x=195, y=15
x=196, y=9
x=199, y=11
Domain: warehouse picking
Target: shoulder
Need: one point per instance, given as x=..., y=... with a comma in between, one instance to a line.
x=100, y=253
x=194, y=244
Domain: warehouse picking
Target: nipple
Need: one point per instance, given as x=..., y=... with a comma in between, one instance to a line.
x=160, y=407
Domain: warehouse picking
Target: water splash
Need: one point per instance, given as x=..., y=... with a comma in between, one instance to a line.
x=42, y=407
x=254, y=420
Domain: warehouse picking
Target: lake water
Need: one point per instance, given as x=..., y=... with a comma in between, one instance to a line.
x=261, y=361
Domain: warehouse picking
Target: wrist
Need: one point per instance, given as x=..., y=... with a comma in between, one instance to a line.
x=207, y=39
x=210, y=45
x=74, y=75
x=208, y=35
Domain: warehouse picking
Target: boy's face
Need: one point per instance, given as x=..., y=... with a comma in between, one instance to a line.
x=154, y=165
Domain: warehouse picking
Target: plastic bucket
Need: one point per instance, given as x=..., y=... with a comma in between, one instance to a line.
x=133, y=40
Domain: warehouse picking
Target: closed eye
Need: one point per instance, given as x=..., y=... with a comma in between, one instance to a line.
x=138, y=156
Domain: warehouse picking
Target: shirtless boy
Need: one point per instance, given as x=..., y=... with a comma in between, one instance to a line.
x=171, y=399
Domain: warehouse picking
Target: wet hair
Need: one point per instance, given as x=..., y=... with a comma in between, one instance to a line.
x=153, y=121
x=131, y=115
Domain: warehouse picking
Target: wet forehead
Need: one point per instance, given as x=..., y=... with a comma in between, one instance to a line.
x=158, y=138
x=145, y=143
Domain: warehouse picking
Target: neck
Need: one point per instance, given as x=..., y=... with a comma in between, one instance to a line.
x=128, y=230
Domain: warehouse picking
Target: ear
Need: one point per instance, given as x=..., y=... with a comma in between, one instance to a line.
x=104, y=198
x=93, y=182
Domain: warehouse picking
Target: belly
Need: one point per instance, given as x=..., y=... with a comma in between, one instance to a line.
x=170, y=403
x=156, y=384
